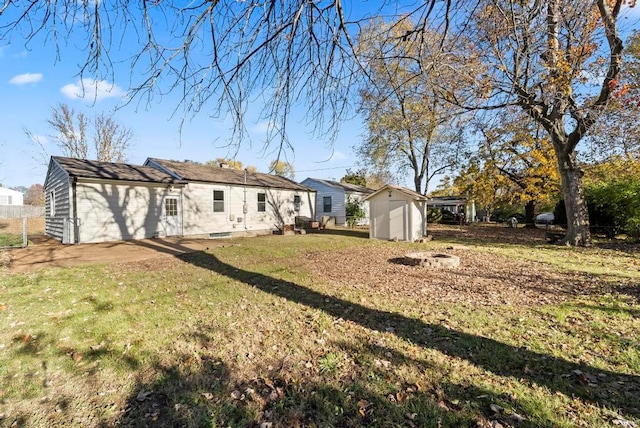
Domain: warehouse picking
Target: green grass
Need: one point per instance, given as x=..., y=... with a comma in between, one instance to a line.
x=10, y=240
x=248, y=333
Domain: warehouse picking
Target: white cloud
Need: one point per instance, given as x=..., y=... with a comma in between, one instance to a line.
x=261, y=127
x=92, y=90
x=23, y=79
x=40, y=139
x=338, y=156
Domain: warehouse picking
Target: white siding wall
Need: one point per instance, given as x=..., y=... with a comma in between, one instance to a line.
x=338, y=200
x=113, y=212
x=58, y=183
x=199, y=218
x=10, y=197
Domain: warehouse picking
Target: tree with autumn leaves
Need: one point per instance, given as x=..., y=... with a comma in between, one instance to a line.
x=536, y=54
x=411, y=127
x=616, y=136
x=514, y=165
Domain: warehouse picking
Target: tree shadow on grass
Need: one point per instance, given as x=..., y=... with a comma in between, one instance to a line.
x=208, y=393
x=601, y=387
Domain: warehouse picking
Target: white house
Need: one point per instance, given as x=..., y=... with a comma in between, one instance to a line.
x=455, y=205
x=10, y=197
x=331, y=198
x=91, y=201
x=397, y=213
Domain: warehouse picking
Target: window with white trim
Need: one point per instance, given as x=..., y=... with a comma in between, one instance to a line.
x=52, y=203
x=262, y=202
x=218, y=201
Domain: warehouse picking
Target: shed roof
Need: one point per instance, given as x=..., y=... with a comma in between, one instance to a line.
x=409, y=192
x=191, y=171
x=347, y=187
x=83, y=168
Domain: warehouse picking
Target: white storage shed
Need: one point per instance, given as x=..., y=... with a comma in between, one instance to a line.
x=397, y=213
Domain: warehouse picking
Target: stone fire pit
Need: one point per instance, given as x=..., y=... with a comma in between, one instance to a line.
x=432, y=260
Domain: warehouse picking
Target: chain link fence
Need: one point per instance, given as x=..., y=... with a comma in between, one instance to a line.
x=18, y=222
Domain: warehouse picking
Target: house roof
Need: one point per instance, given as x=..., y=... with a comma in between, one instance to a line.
x=451, y=200
x=83, y=168
x=409, y=192
x=347, y=187
x=190, y=171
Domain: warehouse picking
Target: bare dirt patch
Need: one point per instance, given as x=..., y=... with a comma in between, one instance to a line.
x=481, y=278
x=46, y=252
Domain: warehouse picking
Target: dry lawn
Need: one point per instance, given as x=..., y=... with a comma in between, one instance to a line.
x=328, y=330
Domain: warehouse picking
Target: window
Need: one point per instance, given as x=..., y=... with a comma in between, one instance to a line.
x=171, y=207
x=4, y=200
x=326, y=204
x=262, y=202
x=52, y=203
x=218, y=201
x=296, y=202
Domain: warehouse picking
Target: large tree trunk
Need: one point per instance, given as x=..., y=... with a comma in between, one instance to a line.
x=578, y=233
x=417, y=182
x=529, y=214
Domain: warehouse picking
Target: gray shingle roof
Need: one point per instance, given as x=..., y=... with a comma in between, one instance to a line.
x=83, y=168
x=190, y=171
x=347, y=187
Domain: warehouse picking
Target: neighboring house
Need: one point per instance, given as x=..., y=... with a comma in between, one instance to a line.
x=397, y=213
x=91, y=201
x=10, y=197
x=331, y=198
x=455, y=205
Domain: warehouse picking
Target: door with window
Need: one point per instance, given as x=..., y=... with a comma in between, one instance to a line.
x=172, y=215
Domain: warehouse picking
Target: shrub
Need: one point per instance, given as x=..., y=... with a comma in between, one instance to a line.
x=614, y=207
x=354, y=210
x=434, y=215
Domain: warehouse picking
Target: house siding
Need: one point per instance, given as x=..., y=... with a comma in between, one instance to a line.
x=338, y=200
x=114, y=209
x=109, y=211
x=10, y=197
x=58, y=182
x=199, y=218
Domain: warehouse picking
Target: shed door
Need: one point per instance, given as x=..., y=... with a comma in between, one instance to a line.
x=172, y=216
x=397, y=220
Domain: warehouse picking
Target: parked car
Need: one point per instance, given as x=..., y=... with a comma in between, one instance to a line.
x=545, y=218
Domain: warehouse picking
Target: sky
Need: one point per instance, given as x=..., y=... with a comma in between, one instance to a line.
x=35, y=76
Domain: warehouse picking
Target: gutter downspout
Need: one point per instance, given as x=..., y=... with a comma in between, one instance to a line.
x=245, y=209
x=76, y=238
